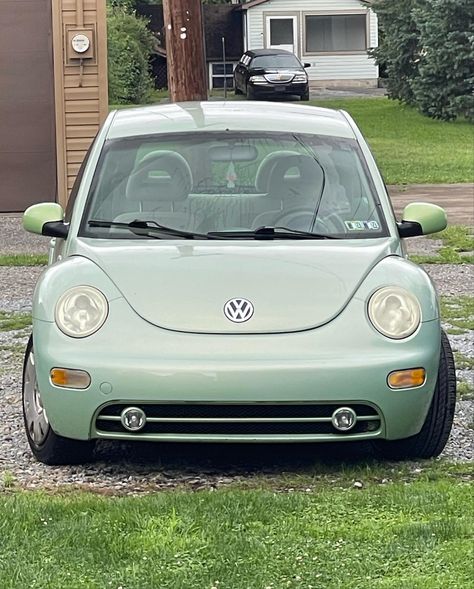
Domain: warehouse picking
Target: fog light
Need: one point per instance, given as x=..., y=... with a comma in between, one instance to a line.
x=407, y=379
x=133, y=419
x=70, y=379
x=344, y=419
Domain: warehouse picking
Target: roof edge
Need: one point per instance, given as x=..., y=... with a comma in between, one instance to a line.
x=250, y=4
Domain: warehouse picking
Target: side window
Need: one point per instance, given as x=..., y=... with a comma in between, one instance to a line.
x=75, y=187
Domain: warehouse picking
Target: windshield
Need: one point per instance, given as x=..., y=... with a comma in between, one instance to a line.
x=269, y=61
x=209, y=182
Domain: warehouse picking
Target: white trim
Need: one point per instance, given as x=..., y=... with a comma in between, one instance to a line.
x=228, y=76
x=268, y=18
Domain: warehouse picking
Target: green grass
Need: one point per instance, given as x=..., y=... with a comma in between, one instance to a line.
x=465, y=390
x=458, y=247
x=23, y=260
x=14, y=321
x=458, y=312
x=391, y=536
x=463, y=362
x=411, y=148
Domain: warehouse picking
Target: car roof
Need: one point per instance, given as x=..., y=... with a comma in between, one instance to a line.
x=228, y=116
x=258, y=52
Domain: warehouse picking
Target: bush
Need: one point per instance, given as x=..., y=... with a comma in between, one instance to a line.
x=129, y=47
x=428, y=54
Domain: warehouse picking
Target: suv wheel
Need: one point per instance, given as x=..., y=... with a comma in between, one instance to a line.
x=305, y=96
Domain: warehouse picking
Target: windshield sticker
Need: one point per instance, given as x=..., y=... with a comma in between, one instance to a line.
x=362, y=225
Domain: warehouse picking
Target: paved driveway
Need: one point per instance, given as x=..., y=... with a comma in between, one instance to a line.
x=457, y=199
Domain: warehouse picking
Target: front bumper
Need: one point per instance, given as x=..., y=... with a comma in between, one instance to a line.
x=267, y=89
x=134, y=363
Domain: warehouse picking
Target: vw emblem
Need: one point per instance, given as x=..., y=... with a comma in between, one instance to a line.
x=238, y=310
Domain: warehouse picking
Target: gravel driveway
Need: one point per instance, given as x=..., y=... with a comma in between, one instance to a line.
x=134, y=468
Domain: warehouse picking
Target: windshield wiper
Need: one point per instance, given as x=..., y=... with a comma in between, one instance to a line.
x=271, y=233
x=150, y=229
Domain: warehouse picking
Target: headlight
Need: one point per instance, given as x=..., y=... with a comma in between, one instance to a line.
x=257, y=79
x=394, y=312
x=300, y=78
x=81, y=311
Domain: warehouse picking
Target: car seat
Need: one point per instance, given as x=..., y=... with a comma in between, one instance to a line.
x=159, y=185
x=292, y=181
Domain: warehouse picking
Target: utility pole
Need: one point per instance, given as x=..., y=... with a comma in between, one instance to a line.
x=187, y=79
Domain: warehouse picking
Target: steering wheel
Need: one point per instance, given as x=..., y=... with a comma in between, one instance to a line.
x=329, y=224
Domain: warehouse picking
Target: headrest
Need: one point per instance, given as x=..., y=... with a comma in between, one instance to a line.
x=266, y=167
x=160, y=176
x=293, y=176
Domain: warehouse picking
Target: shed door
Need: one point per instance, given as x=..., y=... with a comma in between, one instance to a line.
x=281, y=33
x=27, y=128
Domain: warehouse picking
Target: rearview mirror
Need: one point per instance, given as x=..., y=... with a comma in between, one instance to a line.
x=45, y=218
x=422, y=218
x=233, y=153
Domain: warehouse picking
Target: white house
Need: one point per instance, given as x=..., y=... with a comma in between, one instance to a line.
x=333, y=35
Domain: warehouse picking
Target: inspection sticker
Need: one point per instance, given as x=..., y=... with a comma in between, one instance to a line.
x=362, y=225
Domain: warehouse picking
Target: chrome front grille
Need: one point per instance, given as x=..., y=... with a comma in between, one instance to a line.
x=236, y=419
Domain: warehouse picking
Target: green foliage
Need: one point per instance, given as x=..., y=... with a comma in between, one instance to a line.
x=443, y=87
x=399, y=50
x=427, y=51
x=129, y=47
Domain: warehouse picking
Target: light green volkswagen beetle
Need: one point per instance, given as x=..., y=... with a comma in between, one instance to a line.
x=233, y=272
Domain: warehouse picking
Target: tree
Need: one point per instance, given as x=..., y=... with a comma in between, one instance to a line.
x=399, y=51
x=427, y=50
x=444, y=85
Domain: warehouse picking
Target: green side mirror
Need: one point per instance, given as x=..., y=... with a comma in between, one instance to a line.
x=45, y=218
x=422, y=218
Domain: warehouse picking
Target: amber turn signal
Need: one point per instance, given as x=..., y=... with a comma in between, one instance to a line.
x=70, y=379
x=407, y=379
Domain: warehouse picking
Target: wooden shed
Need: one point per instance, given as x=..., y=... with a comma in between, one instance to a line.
x=53, y=95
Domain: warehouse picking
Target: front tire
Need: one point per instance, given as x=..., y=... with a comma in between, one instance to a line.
x=250, y=93
x=47, y=447
x=305, y=96
x=434, y=434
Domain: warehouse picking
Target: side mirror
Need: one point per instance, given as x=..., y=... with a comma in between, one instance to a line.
x=45, y=218
x=422, y=218
x=305, y=65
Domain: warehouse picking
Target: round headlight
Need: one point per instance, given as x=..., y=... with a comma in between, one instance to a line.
x=81, y=311
x=394, y=312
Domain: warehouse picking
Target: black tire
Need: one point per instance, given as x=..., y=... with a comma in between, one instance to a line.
x=237, y=92
x=250, y=93
x=305, y=96
x=434, y=434
x=54, y=449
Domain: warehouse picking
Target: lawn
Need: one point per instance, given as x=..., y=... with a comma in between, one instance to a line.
x=410, y=148
x=390, y=534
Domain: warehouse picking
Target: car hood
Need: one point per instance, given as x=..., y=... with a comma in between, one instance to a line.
x=184, y=286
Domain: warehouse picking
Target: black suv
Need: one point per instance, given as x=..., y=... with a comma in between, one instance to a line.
x=264, y=72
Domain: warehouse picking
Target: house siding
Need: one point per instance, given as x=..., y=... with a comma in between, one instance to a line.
x=81, y=101
x=330, y=68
